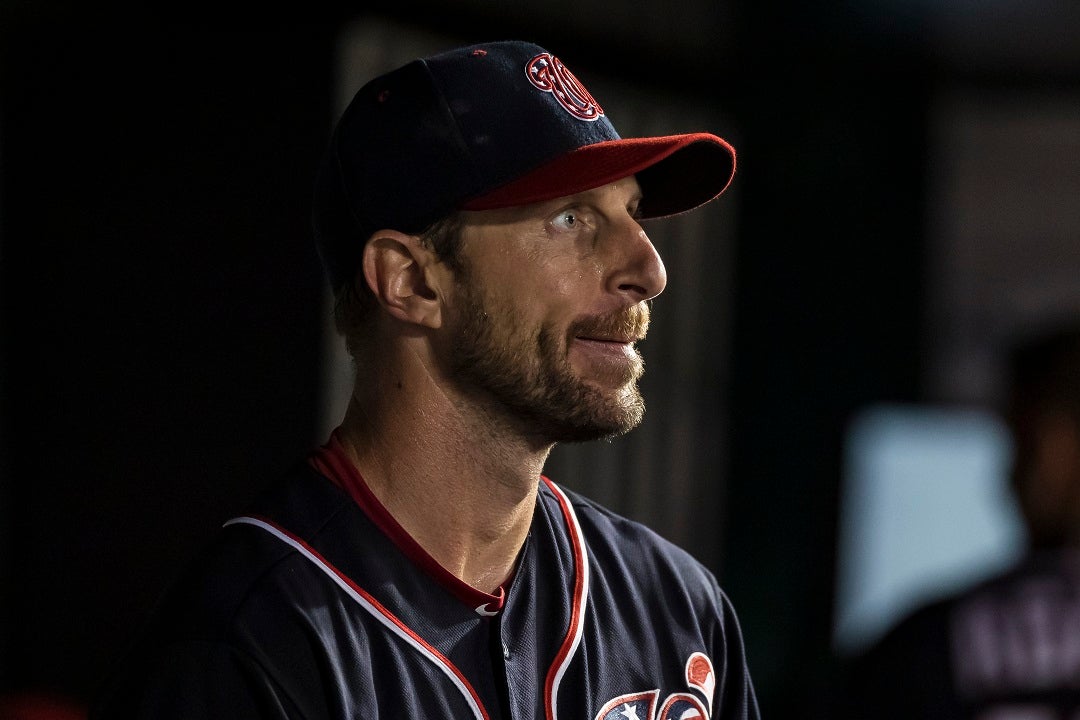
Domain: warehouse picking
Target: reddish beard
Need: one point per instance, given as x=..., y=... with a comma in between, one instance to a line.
x=526, y=371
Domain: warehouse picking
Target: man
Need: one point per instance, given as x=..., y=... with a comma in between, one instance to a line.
x=478, y=218
x=1007, y=648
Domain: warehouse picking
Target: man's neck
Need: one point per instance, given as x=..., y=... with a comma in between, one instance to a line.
x=463, y=490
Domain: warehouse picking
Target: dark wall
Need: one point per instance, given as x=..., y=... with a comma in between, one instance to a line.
x=160, y=301
x=828, y=313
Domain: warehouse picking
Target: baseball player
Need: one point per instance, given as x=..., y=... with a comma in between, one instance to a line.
x=478, y=217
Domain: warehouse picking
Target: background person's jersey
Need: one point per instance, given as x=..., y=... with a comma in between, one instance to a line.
x=1005, y=649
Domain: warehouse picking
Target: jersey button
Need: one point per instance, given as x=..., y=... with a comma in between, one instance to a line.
x=506, y=652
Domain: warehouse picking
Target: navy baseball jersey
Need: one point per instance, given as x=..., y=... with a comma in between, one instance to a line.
x=318, y=605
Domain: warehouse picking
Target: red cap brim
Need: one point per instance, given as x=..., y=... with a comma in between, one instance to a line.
x=676, y=173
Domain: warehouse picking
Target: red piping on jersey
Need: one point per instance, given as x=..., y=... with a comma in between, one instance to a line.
x=577, y=608
x=328, y=567
x=332, y=461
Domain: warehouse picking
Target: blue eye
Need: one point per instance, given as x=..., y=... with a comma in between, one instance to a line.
x=567, y=219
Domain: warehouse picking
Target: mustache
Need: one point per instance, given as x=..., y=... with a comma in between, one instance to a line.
x=631, y=322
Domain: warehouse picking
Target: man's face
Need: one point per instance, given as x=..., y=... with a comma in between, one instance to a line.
x=545, y=316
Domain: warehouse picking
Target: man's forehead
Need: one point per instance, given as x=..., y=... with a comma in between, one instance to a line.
x=626, y=190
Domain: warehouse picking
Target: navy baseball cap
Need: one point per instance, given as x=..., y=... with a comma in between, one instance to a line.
x=482, y=127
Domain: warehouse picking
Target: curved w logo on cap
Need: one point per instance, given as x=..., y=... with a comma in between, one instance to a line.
x=547, y=73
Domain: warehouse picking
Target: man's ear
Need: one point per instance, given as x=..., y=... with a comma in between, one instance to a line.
x=403, y=275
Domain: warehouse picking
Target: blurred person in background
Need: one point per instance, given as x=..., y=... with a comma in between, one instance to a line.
x=1007, y=648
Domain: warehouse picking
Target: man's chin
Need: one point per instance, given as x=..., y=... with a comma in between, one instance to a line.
x=604, y=420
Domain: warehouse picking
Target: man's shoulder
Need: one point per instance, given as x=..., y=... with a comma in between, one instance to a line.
x=242, y=584
x=243, y=561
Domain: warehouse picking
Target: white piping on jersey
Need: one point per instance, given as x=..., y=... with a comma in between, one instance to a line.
x=577, y=620
x=380, y=613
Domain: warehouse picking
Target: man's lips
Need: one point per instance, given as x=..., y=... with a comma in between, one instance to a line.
x=612, y=340
x=620, y=348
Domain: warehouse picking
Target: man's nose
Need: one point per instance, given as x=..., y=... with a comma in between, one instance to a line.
x=638, y=270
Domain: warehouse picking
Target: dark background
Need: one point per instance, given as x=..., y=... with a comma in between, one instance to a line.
x=161, y=297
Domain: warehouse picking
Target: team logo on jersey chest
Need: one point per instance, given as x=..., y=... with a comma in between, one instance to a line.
x=546, y=72
x=699, y=676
